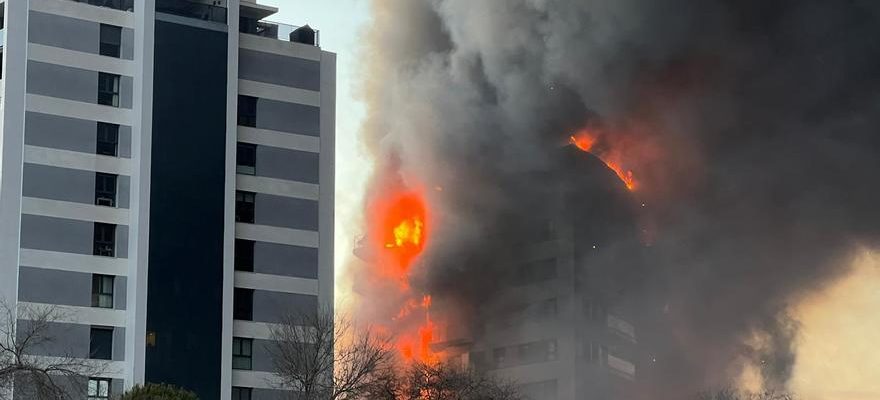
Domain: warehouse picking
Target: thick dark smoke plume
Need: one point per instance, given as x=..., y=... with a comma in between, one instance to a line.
x=753, y=127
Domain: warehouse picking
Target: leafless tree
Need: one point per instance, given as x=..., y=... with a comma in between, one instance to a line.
x=420, y=381
x=731, y=393
x=323, y=356
x=22, y=333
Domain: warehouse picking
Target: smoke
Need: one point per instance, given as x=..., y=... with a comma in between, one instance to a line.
x=750, y=125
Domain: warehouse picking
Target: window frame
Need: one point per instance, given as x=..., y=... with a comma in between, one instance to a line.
x=104, y=240
x=108, y=96
x=247, y=111
x=246, y=158
x=245, y=206
x=93, y=352
x=244, y=255
x=243, y=304
x=242, y=354
x=106, y=187
x=96, y=394
x=107, y=139
x=103, y=290
x=242, y=393
x=106, y=38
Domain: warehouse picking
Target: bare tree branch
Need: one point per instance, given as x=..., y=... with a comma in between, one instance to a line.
x=34, y=376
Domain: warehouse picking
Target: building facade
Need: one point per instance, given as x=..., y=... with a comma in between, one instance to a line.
x=166, y=182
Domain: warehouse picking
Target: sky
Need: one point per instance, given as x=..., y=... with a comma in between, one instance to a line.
x=340, y=23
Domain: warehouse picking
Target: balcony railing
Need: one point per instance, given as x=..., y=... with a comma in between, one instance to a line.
x=274, y=30
x=124, y=5
x=205, y=12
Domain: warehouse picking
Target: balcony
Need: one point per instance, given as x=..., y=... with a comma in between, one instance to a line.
x=205, y=12
x=124, y=5
x=275, y=30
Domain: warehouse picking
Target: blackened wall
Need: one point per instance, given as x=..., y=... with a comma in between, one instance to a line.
x=185, y=298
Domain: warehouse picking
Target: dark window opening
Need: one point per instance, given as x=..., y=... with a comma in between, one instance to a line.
x=245, y=206
x=240, y=393
x=243, y=304
x=108, y=139
x=105, y=240
x=242, y=353
x=108, y=89
x=247, y=111
x=111, y=40
x=99, y=389
x=244, y=255
x=246, y=159
x=105, y=189
x=101, y=343
x=102, y=291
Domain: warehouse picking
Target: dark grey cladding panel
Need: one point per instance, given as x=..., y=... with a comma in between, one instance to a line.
x=273, y=306
x=291, y=165
x=72, y=134
x=62, y=82
x=288, y=117
x=46, y=286
x=286, y=212
x=67, y=184
x=279, y=70
x=262, y=355
x=270, y=394
x=72, y=83
x=73, y=34
x=65, y=32
x=65, y=235
x=68, y=340
x=279, y=259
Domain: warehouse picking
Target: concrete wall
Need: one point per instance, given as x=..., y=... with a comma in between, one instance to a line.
x=279, y=259
x=286, y=212
x=69, y=134
x=73, y=34
x=292, y=165
x=67, y=184
x=72, y=83
x=272, y=306
x=66, y=235
x=288, y=117
x=279, y=70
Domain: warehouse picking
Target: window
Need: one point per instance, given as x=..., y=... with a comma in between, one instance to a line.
x=101, y=343
x=102, y=291
x=105, y=189
x=243, y=304
x=105, y=240
x=108, y=139
x=244, y=255
x=108, y=89
x=111, y=40
x=244, y=206
x=247, y=111
x=99, y=388
x=551, y=350
x=499, y=355
x=240, y=393
x=246, y=159
x=242, y=353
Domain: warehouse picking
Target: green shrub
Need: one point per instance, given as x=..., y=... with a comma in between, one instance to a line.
x=152, y=391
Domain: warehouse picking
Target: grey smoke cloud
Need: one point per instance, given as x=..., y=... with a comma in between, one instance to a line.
x=752, y=125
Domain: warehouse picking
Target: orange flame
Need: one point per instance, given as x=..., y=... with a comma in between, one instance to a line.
x=399, y=226
x=587, y=140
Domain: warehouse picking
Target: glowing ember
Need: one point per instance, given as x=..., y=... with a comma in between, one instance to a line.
x=587, y=141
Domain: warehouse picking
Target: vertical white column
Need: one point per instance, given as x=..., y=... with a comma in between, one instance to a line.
x=12, y=144
x=326, y=208
x=229, y=208
x=141, y=151
x=12, y=150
